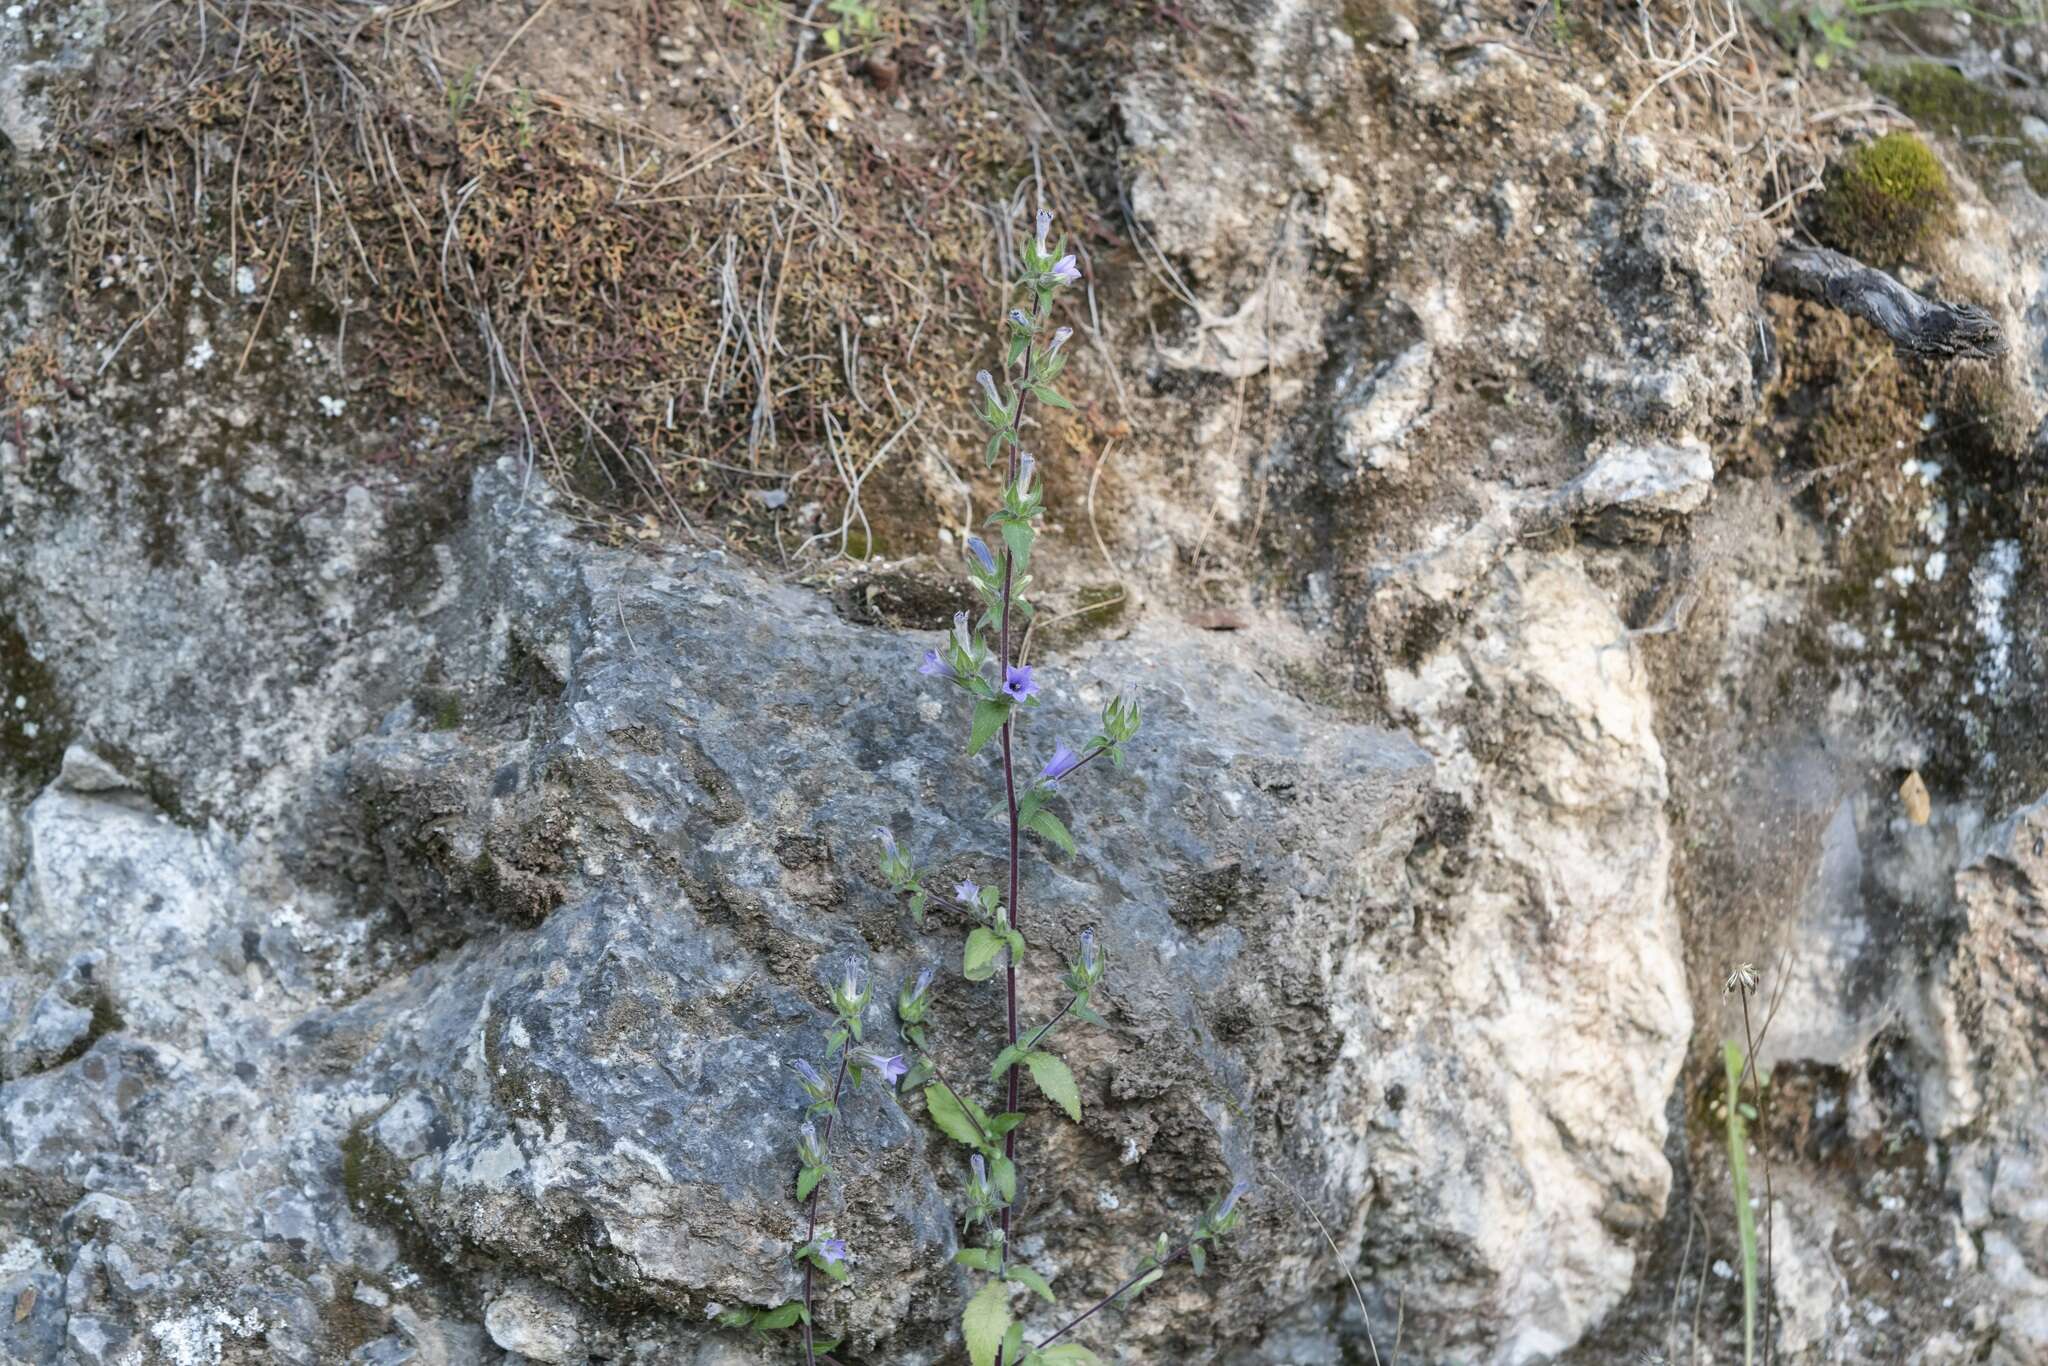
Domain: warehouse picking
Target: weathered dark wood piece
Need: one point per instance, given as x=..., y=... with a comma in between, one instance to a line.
x=1914, y=322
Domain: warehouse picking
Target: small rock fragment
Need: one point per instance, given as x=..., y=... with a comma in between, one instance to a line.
x=520, y=1321
x=1914, y=796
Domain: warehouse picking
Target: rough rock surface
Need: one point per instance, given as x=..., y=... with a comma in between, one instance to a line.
x=523, y=992
x=411, y=907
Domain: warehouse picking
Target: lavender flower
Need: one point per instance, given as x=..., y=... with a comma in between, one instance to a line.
x=988, y=386
x=968, y=892
x=1059, y=338
x=1017, y=316
x=1044, y=227
x=911, y=1002
x=1088, y=949
x=1026, y=466
x=1230, y=1201
x=1063, y=762
x=935, y=667
x=1065, y=271
x=891, y=1068
x=833, y=1249
x=807, y=1145
x=980, y=1170
x=981, y=552
x=811, y=1079
x=1017, y=684
x=888, y=842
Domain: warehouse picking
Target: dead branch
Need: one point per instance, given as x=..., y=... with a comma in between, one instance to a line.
x=1914, y=322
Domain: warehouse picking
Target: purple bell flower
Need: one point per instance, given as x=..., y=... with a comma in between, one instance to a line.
x=809, y=1074
x=935, y=667
x=833, y=1249
x=1065, y=271
x=1230, y=1201
x=1063, y=762
x=1088, y=949
x=1044, y=228
x=1026, y=466
x=888, y=841
x=981, y=552
x=980, y=1170
x=892, y=1068
x=968, y=892
x=924, y=981
x=1020, y=318
x=988, y=386
x=1017, y=684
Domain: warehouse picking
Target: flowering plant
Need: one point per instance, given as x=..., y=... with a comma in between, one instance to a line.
x=1001, y=690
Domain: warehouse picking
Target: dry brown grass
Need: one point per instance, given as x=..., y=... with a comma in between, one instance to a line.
x=754, y=283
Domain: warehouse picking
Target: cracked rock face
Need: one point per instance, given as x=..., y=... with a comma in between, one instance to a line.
x=510, y=1008
x=412, y=909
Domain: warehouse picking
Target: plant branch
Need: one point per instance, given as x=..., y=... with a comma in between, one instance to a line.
x=811, y=1232
x=1071, y=1324
x=1764, y=1159
x=1046, y=1028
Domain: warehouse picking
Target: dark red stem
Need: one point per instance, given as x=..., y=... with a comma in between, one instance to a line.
x=824, y=1148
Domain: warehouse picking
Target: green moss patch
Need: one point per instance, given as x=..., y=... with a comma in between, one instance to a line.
x=1947, y=103
x=1887, y=201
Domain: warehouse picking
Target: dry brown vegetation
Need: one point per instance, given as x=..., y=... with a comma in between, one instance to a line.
x=769, y=269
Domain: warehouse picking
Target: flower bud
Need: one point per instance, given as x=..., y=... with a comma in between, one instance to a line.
x=1044, y=228
x=1059, y=338
x=988, y=386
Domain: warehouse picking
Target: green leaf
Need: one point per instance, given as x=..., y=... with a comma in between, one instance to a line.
x=1057, y=1082
x=836, y=1270
x=807, y=1181
x=1048, y=825
x=1024, y=1275
x=1004, y=1122
x=1049, y=398
x=1082, y=1009
x=988, y=719
x=736, y=1318
x=835, y=1041
x=985, y=1321
x=977, y=961
x=979, y=1258
x=1013, y=1343
x=1197, y=1258
x=917, y=909
x=779, y=1318
x=1138, y=1286
x=1004, y=1173
x=1005, y=1060
x=946, y=1112
x=1069, y=1354
x=1017, y=536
